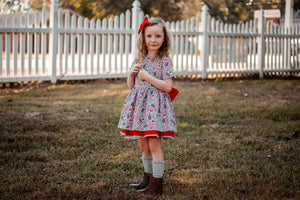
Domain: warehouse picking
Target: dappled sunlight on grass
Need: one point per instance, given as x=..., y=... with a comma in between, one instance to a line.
x=122, y=156
x=97, y=186
x=106, y=93
x=187, y=176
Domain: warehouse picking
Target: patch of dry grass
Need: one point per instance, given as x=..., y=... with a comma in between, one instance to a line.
x=234, y=141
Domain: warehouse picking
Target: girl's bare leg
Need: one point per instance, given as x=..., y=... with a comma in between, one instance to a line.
x=156, y=149
x=144, y=146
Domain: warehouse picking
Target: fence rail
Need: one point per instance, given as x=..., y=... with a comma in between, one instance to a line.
x=65, y=47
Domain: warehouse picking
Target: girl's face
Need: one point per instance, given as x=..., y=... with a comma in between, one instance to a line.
x=154, y=38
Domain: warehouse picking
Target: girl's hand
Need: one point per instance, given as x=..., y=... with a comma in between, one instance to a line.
x=143, y=74
x=135, y=69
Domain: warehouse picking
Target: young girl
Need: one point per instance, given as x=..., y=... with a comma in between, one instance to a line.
x=148, y=113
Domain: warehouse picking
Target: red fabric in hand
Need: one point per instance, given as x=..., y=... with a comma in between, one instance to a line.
x=173, y=93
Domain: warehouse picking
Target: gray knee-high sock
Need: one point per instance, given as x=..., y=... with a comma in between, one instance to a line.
x=147, y=163
x=158, y=169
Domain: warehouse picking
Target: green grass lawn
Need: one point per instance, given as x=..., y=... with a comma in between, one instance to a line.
x=234, y=141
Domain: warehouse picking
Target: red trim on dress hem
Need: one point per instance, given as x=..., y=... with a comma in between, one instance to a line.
x=148, y=134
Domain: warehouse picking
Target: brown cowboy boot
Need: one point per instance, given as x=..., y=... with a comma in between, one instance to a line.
x=154, y=187
x=144, y=182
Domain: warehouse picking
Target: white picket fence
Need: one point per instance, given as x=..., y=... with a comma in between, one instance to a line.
x=73, y=48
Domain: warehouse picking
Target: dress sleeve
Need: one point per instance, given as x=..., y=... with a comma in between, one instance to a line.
x=167, y=69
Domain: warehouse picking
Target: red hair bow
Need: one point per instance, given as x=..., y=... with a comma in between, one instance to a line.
x=145, y=22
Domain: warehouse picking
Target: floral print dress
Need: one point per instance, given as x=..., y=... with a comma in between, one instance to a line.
x=148, y=111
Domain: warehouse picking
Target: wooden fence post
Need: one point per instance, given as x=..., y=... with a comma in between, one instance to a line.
x=204, y=49
x=288, y=24
x=135, y=25
x=261, y=44
x=53, y=39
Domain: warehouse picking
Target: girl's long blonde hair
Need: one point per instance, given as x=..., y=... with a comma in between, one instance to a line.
x=165, y=47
